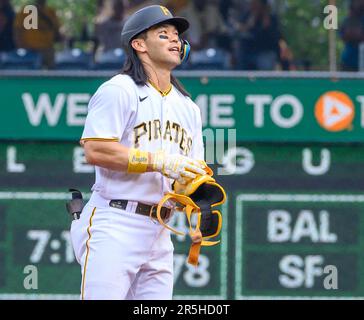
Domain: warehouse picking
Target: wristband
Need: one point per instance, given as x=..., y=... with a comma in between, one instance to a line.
x=138, y=161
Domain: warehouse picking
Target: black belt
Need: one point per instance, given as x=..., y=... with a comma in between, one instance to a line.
x=143, y=209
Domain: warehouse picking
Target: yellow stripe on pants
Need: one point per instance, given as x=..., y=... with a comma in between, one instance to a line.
x=87, y=253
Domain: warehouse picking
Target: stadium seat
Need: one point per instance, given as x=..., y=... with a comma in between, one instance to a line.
x=110, y=60
x=73, y=59
x=22, y=59
x=209, y=59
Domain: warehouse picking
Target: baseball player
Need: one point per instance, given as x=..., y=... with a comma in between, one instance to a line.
x=142, y=133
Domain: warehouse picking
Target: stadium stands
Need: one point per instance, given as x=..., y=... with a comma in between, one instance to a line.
x=110, y=60
x=20, y=59
x=209, y=59
x=73, y=59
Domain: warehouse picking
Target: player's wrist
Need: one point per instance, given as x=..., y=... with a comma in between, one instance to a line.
x=144, y=161
x=137, y=161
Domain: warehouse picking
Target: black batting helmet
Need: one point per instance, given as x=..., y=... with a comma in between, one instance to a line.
x=148, y=17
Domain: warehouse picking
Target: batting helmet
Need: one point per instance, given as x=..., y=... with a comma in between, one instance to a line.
x=150, y=16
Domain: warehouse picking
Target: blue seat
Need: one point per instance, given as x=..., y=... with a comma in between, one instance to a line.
x=209, y=59
x=73, y=59
x=22, y=59
x=110, y=60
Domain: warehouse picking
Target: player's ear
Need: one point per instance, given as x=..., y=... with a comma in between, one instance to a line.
x=139, y=45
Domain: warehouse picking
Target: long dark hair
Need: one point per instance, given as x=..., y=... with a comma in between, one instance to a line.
x=134, y=68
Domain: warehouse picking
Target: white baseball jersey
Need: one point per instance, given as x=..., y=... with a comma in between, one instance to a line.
x=141, y=117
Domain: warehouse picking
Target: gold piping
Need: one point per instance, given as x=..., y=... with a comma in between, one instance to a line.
x=99, y=139
x=163, y=93
x=87, y=253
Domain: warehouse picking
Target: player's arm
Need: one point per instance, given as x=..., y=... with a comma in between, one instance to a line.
x=106, y=154
x=110, y=155
x=114, y=156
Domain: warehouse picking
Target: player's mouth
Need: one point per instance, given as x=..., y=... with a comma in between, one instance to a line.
x=175, y=50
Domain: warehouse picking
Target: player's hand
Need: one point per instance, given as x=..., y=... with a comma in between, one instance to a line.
x=176, y=166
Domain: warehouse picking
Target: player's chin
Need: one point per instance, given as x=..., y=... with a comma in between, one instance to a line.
x=178, y=63
x=173, y=63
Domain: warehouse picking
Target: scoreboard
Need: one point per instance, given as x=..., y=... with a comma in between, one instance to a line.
x=292, y=225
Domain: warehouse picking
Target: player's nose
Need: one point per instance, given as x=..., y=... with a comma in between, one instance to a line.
x=175, y=41
x=174, y=37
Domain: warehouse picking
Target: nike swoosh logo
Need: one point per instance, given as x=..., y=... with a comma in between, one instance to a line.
x=142, y=99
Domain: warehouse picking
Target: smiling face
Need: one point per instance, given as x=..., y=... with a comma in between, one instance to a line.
x=161, y=46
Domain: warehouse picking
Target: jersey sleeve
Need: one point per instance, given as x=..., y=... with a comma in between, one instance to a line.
x=108, y=111
x=198, y=149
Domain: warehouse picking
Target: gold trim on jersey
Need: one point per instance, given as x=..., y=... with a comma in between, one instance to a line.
x=87, y=254
x=163, y=93
x=99, y=139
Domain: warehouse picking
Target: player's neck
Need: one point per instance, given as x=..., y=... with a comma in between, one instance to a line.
x=160, y=78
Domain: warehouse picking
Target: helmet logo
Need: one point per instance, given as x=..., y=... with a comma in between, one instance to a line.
x=165, y=11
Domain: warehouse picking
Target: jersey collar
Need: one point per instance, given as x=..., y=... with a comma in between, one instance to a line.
x=162, y=93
